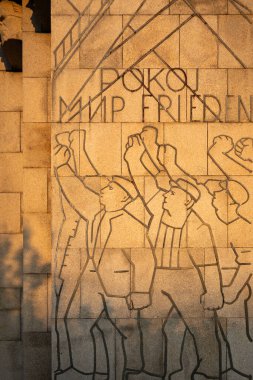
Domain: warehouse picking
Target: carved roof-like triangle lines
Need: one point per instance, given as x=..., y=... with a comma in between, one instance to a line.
x=119, y=41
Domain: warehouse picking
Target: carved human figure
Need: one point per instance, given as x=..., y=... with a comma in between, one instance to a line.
x=179, y=235
x=111, y=277
x=239, y=217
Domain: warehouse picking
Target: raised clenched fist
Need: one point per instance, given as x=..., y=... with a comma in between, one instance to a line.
x=62, y=139
x=244, y=149
x=134, y=148
x=223, y=144
x=62, y=156
x=149, y=135
x=77, y=139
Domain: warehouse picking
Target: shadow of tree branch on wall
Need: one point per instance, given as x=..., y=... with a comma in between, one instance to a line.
x=25, y=338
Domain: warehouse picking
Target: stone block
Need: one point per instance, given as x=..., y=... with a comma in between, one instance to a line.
x=35, y=190
x=136, y=48
x=193, y=156
x=91, y=53
x=35, y=100
x=10, y=208
x=10, y=324
x=10, y=298
x=198, y=46
x=11, y=254
x=237, y=33
x=35, y=303
x=36, y=144
x=211, y=84
x=11, y=168
x=37, y=356
x=11, y=91
x=103, y=144
x=37, y=243
x=239, y=81
x=239, y=85
x=36, y=60
x=11, y=360
x=10, y=132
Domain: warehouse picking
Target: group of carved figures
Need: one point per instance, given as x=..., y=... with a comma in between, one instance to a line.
x=150, y=276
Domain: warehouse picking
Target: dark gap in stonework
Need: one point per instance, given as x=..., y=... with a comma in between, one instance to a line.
x=41, y=17
x=10, y=34
x=12, y=55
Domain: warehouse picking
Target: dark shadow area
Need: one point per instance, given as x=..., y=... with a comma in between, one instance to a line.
x=10, y=34
x=41, y=17
x=12, y=55
x=32, y=262
x=23, y=354
x=11, y=256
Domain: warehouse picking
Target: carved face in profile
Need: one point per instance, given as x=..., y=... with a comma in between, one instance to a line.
x=113, y=197
x=176, y=204
x=224, y=204
x=10, y=21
